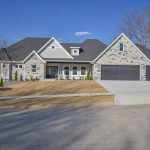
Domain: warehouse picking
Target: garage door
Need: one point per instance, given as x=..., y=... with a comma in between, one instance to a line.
x=148, y=73
x=120, y=72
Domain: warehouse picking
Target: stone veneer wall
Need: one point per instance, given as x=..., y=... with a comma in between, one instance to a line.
x=130, y=56
x=4, y=71
x=34, y=60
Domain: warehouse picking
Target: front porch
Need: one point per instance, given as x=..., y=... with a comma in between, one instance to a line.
x=67, y=71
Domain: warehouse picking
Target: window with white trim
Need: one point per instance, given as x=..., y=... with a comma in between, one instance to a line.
x=34, y=68
x=75, y=52
x=66, y=70
x=18, y=66
x=83, y=71
x=121, y=47
x=74, y=70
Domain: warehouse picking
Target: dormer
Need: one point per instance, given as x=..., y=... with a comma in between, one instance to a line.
x=75, y=51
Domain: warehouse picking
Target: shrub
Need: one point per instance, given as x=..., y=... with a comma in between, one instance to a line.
x=16, y=76
x=88, y=76
x=1, y=83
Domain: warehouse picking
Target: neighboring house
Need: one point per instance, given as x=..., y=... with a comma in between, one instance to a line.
x=46, y=58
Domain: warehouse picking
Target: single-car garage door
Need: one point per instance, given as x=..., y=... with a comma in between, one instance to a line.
x=148, y=73
x=120, y=72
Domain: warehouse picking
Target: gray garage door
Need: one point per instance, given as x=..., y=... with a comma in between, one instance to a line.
x=120, y=72
x=148, y=73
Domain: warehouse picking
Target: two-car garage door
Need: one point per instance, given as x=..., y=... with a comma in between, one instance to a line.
x=120, y=72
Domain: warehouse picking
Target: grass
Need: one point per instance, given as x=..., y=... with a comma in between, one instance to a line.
x=67, y=101
x=55, y=87
x=52, y=87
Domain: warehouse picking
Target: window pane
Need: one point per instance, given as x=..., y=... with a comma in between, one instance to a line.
x=53, y=47
x=20, y=66
x=33, y=68
x=74, y=70
x=16, y=66
x=66, y=70
x=121, y=46
x=83, y=70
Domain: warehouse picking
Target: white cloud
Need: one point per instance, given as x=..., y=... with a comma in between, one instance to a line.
x=82, y=33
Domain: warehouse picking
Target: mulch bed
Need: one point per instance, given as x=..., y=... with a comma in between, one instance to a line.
x=5, y=89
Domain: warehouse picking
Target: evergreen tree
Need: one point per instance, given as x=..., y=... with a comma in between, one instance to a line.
x=1, y=83
x=16, y=76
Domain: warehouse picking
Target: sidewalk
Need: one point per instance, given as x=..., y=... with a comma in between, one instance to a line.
x=52, y=96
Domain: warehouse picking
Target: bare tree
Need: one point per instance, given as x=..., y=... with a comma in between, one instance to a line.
x=3, y=42
x=5, y=66
x=136, y=25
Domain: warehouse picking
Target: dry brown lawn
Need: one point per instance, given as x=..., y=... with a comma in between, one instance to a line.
x=51, y=87
x=67, y=101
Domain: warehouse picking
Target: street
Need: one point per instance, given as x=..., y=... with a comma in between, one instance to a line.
x=76, y=128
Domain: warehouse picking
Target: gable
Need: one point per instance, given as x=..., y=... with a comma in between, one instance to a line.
x=130, y=54
x=57, y=52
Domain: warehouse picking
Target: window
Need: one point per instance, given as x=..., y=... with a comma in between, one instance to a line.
x=20, y=66
x=75, y=51
x=53, y=47
x=16, y=66
x=75, y=70
x=83, y=70
x=121, y=47
x=66, y=71
x=33, y=68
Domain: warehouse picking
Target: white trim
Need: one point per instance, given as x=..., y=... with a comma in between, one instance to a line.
x=34, y=52
x=62, y=48
x=122, y=34
x=70, y=61
x=44, y=45
x=75, y=47
x=11, y=62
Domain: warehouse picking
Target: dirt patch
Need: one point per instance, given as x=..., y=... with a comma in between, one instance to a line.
x=55, y=87
x=5, y=89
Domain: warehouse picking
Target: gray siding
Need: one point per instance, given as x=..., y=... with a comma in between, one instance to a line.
x=58, y=52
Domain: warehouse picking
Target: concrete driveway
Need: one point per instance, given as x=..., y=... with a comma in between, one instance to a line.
x=129, y=92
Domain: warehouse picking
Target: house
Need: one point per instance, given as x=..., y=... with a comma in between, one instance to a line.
x=47, y=58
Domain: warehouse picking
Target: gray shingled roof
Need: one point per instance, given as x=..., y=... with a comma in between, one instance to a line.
x=90, y=49
x=4, y=55
x=20, y=50
x=145, y=50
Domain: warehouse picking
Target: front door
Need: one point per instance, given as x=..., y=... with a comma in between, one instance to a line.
x=52, y=72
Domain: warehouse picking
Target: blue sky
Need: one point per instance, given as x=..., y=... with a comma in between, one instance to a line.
x=63, y=18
